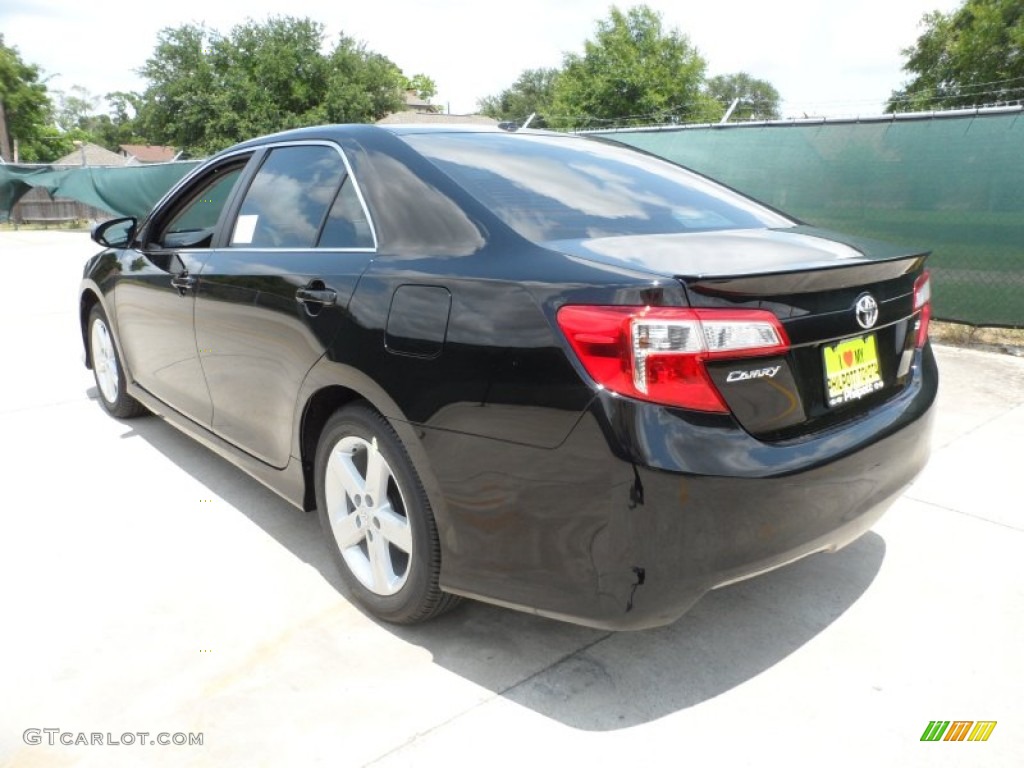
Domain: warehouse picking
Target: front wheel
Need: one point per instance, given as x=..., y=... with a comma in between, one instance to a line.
x=108, y=371
x=375, y=512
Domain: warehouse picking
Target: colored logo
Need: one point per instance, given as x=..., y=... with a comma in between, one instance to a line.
x=958, y=730
x=866, y=310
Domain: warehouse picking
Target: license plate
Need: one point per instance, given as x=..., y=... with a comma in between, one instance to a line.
x=851, y=370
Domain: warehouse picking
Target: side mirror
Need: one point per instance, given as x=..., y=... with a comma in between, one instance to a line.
x=116, y=233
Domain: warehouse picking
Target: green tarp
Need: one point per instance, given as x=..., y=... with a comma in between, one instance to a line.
x=950, y=184
x=124, y=190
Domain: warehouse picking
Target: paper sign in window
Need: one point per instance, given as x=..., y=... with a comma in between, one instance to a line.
x=245, y=227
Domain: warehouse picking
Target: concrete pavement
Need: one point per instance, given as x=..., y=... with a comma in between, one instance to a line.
x=148, y=586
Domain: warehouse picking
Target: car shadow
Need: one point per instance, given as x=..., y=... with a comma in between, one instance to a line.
x=588, y=679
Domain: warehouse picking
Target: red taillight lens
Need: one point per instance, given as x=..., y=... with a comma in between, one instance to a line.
x=923, y=302
x=658, y=353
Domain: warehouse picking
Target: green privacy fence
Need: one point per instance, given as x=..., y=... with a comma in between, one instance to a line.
x=123, y=190
x=951, y=183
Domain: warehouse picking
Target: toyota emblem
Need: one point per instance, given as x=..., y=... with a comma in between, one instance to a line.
x=866, y=310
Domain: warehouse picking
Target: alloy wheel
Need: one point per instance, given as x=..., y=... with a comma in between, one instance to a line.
x=368, y=516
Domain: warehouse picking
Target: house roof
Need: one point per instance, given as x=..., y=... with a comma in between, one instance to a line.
x=94, y=155
x=413, y=101
x=149, y=153
x=396, y=118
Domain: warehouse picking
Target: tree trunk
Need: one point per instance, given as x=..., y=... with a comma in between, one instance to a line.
x=5, y=142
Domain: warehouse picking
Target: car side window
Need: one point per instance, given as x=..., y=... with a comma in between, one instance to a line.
x=347, y=225
x=194, y=222
x=288, y=200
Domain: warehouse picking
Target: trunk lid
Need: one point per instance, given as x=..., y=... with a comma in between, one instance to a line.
x=816, y=283
x=734, y=252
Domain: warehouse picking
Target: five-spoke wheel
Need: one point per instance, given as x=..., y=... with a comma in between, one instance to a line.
x=376, y=513
x=107, y=369
x=368, y=515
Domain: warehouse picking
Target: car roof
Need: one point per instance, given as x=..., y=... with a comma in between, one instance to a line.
x=363, y=129
x=408, y=129
x=405, y=128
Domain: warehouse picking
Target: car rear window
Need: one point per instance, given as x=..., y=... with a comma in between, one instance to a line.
x=560, y=188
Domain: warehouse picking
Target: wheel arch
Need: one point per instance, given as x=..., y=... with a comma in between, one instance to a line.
x=319, y=408
x=88, y=300
x=331, y=386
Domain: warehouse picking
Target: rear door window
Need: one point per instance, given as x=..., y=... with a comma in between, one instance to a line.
x=289, y=198
x=347, y=225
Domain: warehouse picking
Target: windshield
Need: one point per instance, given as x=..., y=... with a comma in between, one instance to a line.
x=561, y=187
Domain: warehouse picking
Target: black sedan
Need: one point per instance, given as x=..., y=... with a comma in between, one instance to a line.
x=543, y=371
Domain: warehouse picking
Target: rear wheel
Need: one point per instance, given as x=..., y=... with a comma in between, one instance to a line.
x=377, y=517
x=108, y=371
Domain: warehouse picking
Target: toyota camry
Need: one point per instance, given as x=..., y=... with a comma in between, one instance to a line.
x=543, y=371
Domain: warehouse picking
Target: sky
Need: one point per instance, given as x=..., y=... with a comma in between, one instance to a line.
x=826, y=58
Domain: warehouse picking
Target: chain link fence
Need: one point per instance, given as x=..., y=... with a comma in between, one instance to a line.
x=951, y=183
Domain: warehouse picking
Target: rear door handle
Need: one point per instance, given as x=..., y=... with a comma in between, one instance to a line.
x=184, y=282
x=316, y=296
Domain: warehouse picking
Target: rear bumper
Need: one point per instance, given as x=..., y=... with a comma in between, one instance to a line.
x=706, y=532
x=631, y=537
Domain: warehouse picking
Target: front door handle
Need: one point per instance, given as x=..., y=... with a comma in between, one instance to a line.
x=184, y=282
x=316, y=296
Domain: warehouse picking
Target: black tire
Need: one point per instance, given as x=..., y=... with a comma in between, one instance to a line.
x=111, y=383
x=369, y=537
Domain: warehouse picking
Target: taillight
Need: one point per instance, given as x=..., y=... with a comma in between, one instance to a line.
x=923, y=302
x=658, y=353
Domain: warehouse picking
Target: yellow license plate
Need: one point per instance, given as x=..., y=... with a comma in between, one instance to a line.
x=851, y=370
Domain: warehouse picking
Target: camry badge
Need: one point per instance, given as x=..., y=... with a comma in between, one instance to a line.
x=761, y=373
x=866, y=310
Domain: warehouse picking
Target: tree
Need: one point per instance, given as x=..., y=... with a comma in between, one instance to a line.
x=74, y=108
x=120, y=124
x=969, y=57
x=363, y=86
x=532, y=93
x=424, y=86
x=758, y=99
x=634, y=70
x=179, y=106
x=207, y=91
x=76, y=116
x=25, y=109
x=49, y=143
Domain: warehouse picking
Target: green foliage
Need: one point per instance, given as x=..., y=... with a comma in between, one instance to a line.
x=77, y=118
x=363, y=86
x=207, y=91
x=26, y=109
x=180, y=103
x=73, y=109
x=424, y=86
x=634, y=69
x=48, y=143
x=758, y=99
x=120, y=124
x=969, y=57
x=533, y=92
